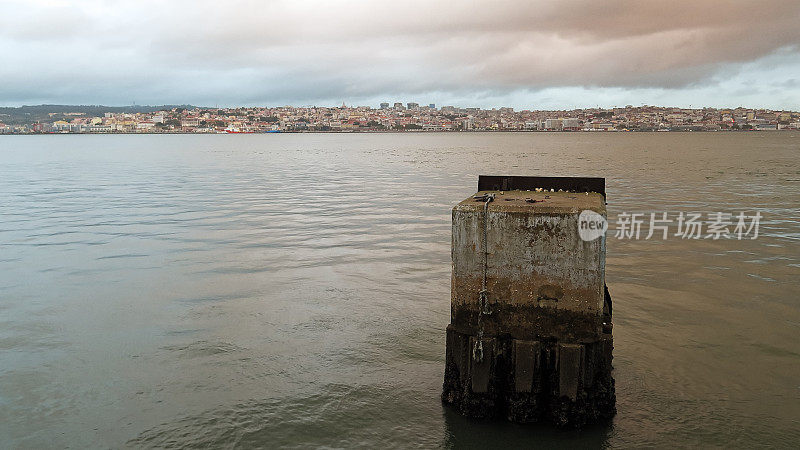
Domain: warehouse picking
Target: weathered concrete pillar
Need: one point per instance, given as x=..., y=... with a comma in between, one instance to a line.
x=530, y=328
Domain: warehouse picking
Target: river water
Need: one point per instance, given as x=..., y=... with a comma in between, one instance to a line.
x=293, y=289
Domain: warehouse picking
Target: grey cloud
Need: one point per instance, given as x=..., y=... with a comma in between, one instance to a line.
x=306, y=51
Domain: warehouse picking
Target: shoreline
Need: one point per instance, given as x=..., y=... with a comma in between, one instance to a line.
x=114, y=133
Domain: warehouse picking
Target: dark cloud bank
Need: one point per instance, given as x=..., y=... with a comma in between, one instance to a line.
x=247, y=52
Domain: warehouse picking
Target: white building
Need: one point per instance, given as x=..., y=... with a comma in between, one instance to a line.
x=553, y=124
x=570, y=124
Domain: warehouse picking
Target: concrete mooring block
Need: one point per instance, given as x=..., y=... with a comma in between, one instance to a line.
x=530, y=330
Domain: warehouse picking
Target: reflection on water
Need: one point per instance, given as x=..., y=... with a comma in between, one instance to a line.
x=292, y=290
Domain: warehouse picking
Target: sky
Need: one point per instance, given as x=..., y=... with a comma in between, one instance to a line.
x=524, y=54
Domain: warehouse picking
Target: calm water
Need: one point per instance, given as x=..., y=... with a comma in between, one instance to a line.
x=293, y=290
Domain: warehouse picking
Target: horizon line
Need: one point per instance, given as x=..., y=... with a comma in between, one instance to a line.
x=354, y=105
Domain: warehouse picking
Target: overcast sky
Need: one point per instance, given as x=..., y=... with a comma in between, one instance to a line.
x=525, y=54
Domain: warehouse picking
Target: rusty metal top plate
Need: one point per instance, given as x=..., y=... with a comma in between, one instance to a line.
x=520, y=183
x=532, y=202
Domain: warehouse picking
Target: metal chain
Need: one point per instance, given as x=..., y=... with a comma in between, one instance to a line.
x=483, y=297
x=483, y=294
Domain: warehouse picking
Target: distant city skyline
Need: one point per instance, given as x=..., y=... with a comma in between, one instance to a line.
x=410, y=116
x=378, y=105
x=520, y=54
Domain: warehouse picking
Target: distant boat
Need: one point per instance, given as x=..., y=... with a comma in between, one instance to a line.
x=236, y=130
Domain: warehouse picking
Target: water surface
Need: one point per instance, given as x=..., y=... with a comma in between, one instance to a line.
x=293, y=290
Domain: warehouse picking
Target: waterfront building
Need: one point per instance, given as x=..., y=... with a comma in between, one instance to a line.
x=570, y=124
x=553, y=124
